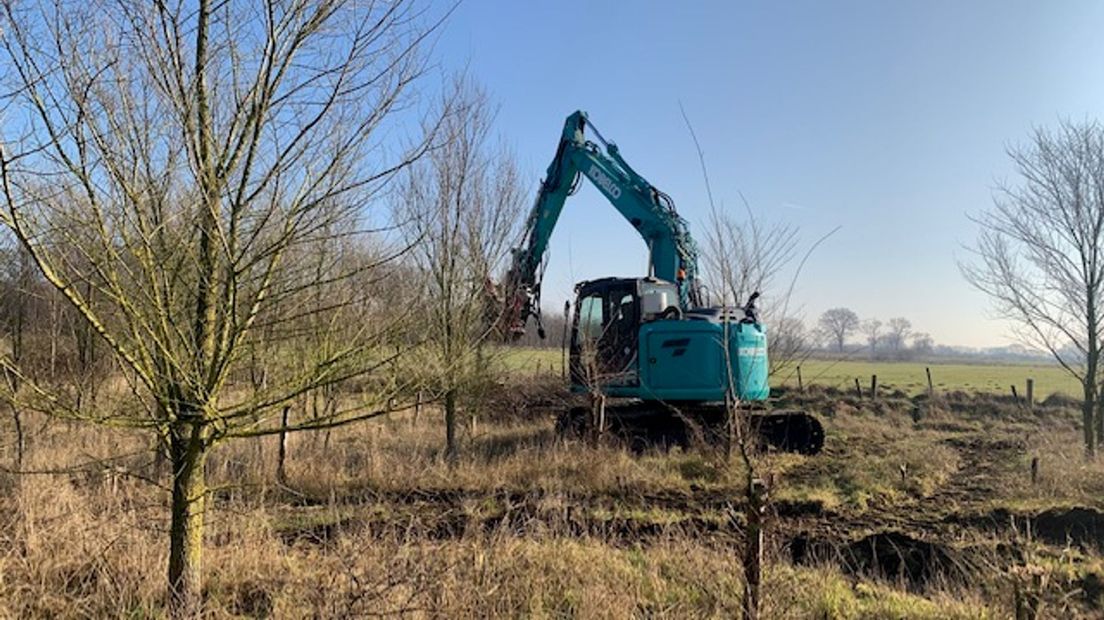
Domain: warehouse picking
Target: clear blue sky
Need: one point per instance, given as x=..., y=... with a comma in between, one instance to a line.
x=889, y=119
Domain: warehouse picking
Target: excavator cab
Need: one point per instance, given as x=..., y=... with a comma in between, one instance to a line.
x=630, y=338
x=605, y=333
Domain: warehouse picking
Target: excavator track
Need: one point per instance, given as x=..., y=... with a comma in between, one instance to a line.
x=645, y=424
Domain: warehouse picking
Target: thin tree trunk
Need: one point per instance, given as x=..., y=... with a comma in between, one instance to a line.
x=730, y=426
x=162, y=448
x=281, y=450
x=1088, y=410
x=53, y=336
x=20, y=440
x=452, y=451
x=597, y=417
x=753, y=547
x=1099, y=417
x=189, y=491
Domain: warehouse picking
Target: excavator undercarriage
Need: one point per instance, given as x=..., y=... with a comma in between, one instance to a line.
x=643, y=425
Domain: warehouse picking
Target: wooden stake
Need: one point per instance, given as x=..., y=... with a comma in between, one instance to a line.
x=873, y=386
x=858, y=388
x=1015, y=396
x=755, y=515
x=1030, y=393
x=563, y=342
x=800, y=384
x=931, y=388
x=281, y=455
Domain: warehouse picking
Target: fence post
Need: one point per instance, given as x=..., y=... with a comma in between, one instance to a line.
x=873, y=386
x=800, y=384
x=858, y=388
x=1015, y=396
x=281, y=454
x=564, y=340
x=1030, y=393
x=931, y=388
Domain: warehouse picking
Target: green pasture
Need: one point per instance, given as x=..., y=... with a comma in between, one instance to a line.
x=911, y=377
x=534, y=361
x=907, y=376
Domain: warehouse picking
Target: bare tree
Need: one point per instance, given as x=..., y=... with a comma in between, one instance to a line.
x=748, y=255
x=871, y=329
x=463, y=205
x=790, y=343
x=745, y=255
x=838, y=324
x=897, y=333
x=171, y=161
x=1038, y=256
x=922, y=343
x=15, y=309
x=744, y=258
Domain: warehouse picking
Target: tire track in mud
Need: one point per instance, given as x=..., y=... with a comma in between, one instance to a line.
x=973, y=482
x=918, y=540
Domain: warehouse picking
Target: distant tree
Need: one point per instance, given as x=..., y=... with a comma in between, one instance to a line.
x=838, y=324
x=790, y=343
x=922, y=344
x=897, y=333
x=17, y=278
x=871, y=329
x=1039, y=257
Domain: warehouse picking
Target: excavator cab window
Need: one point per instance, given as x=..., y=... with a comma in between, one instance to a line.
x=591, y=318
x=604, y=338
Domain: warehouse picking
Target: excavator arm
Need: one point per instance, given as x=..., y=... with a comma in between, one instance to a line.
x=673, y=255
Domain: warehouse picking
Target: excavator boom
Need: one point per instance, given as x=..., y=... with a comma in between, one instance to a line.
x=673, y=255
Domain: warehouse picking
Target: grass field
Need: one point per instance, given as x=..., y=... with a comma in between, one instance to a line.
x=372, y=520
x=909, y=377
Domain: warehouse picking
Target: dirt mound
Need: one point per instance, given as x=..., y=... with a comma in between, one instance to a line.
x=1062, y=526
x=900, y=557
x=1077, y=525
x=889, y=555
x=1058, y=399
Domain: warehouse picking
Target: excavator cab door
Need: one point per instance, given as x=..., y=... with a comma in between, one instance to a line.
x=604, y=338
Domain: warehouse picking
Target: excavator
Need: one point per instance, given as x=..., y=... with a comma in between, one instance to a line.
x=667, y=364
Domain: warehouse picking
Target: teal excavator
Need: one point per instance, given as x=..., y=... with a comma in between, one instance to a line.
x=666, y=361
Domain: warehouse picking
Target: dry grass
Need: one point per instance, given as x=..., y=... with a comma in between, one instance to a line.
x=1065, y=477
x=527, y=526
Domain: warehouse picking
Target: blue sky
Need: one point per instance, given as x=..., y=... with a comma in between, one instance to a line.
x=888, y=119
